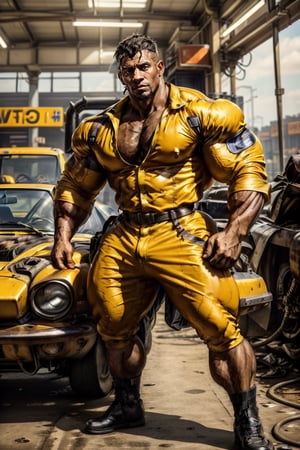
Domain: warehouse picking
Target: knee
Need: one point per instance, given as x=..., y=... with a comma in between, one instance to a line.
x=128, y=360
x=224, y=340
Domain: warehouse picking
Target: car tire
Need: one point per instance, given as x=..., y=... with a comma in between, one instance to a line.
x=90, y=375
x=279, y=281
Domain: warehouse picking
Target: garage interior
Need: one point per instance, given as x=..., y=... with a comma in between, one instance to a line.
x=200, y=40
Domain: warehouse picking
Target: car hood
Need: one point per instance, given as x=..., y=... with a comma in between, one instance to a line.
x=25, y=262
x=15, y=246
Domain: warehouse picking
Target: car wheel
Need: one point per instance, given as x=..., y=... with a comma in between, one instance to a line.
x=273, y=270
x=90, y=375
x=279, y=283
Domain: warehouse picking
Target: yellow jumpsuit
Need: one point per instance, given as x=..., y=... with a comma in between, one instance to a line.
x=180, y=164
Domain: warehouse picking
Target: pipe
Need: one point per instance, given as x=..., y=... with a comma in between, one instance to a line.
x=279, y=91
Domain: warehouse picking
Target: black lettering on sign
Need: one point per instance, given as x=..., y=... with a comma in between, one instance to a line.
x=4, y=116
x=32, y=116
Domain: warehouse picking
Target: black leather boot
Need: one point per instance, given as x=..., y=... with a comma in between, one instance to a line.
x=126, y=411
x=248, y=430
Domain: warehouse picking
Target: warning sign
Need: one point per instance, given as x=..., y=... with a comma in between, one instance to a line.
x=31, y=117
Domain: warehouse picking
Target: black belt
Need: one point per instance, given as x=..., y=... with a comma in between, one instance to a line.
x=151, y=218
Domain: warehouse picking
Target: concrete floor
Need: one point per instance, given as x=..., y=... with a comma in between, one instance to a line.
x=185, y=409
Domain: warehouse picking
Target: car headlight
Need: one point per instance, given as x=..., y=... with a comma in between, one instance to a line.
x=51, y=300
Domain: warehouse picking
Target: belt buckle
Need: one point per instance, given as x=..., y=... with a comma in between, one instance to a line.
x=172, y=215
x=149, y=218
x=139, y=218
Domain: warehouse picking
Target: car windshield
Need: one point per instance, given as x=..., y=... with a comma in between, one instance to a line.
x=34, y=208
x=30, y=168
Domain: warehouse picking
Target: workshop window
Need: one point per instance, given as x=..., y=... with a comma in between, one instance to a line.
x=45, y=82
x=97, y=82
x=66, y=82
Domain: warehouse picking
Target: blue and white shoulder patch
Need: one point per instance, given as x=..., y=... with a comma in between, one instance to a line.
x=244, y=139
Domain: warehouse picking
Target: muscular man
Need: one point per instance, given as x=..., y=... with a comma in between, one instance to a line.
x=159, y=148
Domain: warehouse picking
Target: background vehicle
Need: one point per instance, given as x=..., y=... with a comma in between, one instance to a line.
x=272, y=249
x=276, y=255
x=45, y=319
x=31, y=164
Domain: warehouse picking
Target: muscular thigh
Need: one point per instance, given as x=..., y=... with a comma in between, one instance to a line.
x=208, y=298
x=119, y=291
x=123, y=276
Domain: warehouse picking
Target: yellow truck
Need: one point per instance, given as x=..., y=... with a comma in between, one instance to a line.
x=31, y=164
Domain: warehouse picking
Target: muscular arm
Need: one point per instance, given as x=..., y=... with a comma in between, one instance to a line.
x=68, y=217
x=223, y=248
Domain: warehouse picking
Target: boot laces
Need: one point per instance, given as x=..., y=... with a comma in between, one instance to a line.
x=252, y=429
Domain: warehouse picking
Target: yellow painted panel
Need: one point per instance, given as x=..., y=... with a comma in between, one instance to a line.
x=31, y=117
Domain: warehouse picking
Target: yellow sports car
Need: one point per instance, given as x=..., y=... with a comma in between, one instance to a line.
x=45, y=320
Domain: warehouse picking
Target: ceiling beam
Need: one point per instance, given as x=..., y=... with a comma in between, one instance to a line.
x=17, y=16
x=260, y=30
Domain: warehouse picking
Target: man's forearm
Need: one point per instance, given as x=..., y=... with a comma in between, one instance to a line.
x=223, y=248
x=67, y=218
x=244, y=207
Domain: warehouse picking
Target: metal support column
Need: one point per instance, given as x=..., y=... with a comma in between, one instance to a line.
x=33, y=101
x=215, y=84
x=279, y=91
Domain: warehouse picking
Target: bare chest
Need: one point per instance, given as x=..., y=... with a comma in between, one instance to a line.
x=134, y=136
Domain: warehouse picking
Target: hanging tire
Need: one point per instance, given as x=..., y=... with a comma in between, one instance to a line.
x=90, y=376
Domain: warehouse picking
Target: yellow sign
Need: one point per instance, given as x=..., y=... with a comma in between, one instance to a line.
x=31, y=117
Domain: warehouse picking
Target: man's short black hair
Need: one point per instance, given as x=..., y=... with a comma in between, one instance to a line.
x=134, y=44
